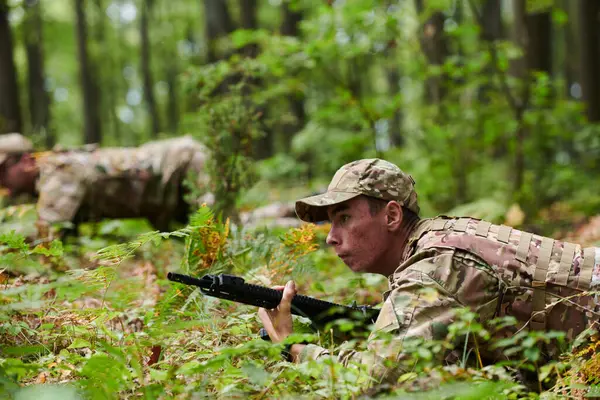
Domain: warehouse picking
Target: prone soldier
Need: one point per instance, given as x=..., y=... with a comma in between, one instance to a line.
x=436, y=266
x=90, y=183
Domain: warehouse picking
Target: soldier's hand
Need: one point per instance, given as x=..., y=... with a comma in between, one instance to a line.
x=278, y=321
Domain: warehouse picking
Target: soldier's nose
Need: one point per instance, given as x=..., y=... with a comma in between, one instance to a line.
x=331, y=238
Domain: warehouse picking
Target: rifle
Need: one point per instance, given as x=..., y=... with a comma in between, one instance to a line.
x=234, y=288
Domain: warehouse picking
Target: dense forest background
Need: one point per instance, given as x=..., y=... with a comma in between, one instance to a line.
x=487, y=103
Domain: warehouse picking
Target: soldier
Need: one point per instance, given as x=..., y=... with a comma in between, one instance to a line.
x=16, y=165
x=89, y=184
x=438, y=265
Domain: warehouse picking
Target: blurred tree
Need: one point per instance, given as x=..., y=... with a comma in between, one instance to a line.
x=170, y=70
x=569, y=55
x=218, y=23
x=491, y=14
x=540, y=37
x=10, y=111
x=533, y=34
x=39, y=101
x=89, y=85
x=589, y=37
x=290, y=26
x=492, y=30
x=107, y=51
x=248, y=18
x=435, y=47
x=148, y=82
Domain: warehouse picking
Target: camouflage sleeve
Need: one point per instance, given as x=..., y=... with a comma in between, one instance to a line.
x=61, y=192
x=421, y=304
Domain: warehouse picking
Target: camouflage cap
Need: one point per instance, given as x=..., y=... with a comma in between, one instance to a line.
x=371, y=177
x=13, y=143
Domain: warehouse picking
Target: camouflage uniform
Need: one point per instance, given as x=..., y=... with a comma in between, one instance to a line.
x=13, y=143
x=492, y=269
x=118, y=182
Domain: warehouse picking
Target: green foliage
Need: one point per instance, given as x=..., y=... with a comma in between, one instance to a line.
x=282, y=168
x=121, y=330
x=230, y=122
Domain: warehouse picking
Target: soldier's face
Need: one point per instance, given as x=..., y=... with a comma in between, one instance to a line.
x=360, y=239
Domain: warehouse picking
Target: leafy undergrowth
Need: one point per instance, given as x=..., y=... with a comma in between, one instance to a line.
x=77, y=323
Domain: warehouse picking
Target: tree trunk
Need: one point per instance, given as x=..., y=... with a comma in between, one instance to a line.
x=491, y=31
x=393, y=78
x=109, y=75
x=218, y=23
x=10, y=112
x=173, y=99
x=249, y=10
x=263, y=147
x=491, y=14
x=519, y=70
x=589, y=37
x=539, y=46
x=290, y=27
x=90, y=91
x=39, y=101
x=570, y=55
x=146, y=69
x=435, y=47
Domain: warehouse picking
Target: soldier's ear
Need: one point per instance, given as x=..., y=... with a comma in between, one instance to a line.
x=393, y=215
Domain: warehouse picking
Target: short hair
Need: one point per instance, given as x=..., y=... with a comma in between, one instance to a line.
x=376, y=205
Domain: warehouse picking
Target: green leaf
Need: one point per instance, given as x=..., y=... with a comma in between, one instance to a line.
x=79, y=343
x=55, y=249
x=14, y=241
x=256, y=374
x=532, y=354
x=158, y=375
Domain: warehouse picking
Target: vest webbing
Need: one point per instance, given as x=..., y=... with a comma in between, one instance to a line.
x=523, y=247
x=538, y=302
x=438, y=224
x=504, y=233
x=540, y=272
x=566, y=261
x=483, y=228
x=461, y=225
x=587, y=268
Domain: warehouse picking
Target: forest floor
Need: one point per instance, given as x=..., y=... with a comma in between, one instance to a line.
x=77, y=322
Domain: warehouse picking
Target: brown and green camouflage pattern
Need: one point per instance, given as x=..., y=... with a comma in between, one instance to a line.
x=130, y=182
x=444, y=269
x=371, y=177
x=13, y=143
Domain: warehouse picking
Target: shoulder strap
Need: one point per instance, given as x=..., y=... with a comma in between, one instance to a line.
x=523, y=247
x=566, y=262
x=504, y=233
x=438, y=224
x=538, y=314
x=461, y=225
x=483, y=228
x=587, y=268
x=543, y=261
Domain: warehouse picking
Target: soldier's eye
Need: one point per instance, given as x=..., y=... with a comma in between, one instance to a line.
x=344, y=218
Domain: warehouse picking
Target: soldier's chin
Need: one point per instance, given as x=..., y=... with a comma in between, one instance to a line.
x=354, y=266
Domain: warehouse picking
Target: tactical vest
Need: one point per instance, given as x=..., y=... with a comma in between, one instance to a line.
x=536, y=271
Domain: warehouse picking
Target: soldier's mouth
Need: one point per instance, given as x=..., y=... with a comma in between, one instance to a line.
x=343, y=257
